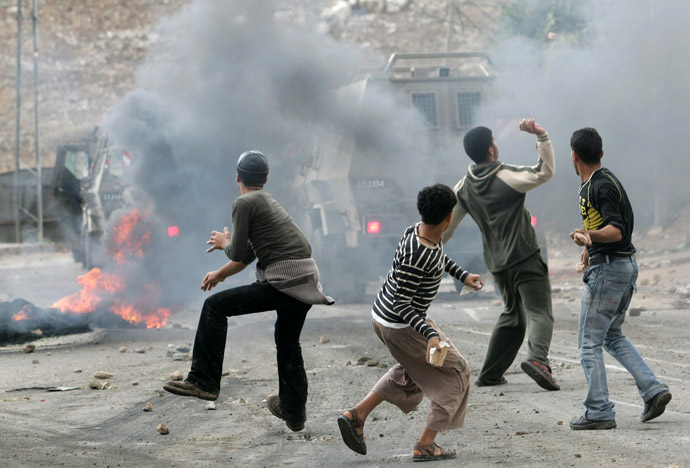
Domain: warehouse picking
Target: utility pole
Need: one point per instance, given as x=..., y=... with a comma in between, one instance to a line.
x=17, y=234
x=39, y=171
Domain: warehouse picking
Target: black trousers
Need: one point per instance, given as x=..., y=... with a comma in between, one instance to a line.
x=209, y=344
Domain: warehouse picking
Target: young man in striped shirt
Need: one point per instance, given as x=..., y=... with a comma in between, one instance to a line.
x=401, y=323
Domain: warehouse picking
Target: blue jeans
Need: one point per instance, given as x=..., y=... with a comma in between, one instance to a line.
x=608, y=289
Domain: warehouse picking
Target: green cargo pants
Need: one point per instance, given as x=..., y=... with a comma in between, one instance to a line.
x=526, y=291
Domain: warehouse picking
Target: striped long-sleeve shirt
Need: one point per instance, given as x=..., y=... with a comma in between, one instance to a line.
x=412, y=284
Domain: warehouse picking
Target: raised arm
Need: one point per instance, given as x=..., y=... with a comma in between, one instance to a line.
x=525, y=178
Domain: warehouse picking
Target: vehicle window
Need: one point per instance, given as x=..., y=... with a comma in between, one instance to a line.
x=425, y=103
x=115, y=161
x=77, y=162
x=468, y=105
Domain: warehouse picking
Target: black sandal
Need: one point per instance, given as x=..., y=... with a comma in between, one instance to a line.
x=348, y=430
x=427, y=453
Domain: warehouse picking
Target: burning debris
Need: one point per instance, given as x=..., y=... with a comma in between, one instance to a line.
x=121, y=292
x=117, y=299
x=20, y=319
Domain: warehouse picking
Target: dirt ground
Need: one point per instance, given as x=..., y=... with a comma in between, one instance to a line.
x=517, y=425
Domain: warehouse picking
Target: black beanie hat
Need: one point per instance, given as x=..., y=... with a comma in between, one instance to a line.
x=252, y=166
x=477, y=143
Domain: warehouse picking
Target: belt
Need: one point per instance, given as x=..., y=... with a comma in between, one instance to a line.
x=601, y=258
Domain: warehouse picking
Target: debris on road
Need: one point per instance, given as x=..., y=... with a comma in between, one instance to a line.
x=35, y=361
x=99, y=385
x=148, y=407
x=324, y=339
x=177, y=375
x=30, y=348
x=163, y=429
x=140, y=350
x=102, y=375
x=210, y=406
x=123, y=349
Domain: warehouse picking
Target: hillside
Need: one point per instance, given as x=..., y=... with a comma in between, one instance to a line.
x=89, y=52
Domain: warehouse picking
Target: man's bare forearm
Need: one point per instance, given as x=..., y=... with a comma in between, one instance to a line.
x=606, y=235
x=231, y=268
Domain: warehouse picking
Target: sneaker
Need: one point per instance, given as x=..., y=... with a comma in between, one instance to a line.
x=540, y=373
x=187, y=388
x=656, y=406
x=584, y=423
x=273, y=405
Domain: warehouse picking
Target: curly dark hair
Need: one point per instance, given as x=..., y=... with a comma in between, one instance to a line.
x=586, y=142
x=435, y=203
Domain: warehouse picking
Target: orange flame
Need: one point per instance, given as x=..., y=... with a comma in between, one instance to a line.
x=126, y=240
x=101, y=290
x=94, y=286
x=21, y=315
x=153, y=319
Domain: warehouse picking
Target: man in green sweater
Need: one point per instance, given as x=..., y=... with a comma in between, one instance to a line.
x=493, y=193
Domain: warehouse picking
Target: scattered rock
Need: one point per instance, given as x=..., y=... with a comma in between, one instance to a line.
x=348, y=363
x=102, y=375
x=99, y=385
x=324, y=339
x=140, y=350
x=225, y=373
x=123, y=349
x=181, y=357
x=163, y=429
x=577, y=455
x=77, y=371
x=177, y=375
x=159, y=393
x=635, y=311
x=361, y=361
x=382, y=365
x=37, y=332
x=560, y=423
x=210, y=406
x=183, y=349
x=30, y=348
x=135, y=383
x=373, y=362
x=35, y=361
x=148, y=407
x=49, y=354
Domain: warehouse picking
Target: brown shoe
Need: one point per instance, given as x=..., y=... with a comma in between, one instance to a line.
x=541, y=373
x=187, y=388
x=273, y=405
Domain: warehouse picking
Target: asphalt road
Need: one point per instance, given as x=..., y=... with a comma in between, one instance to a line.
x=517, y=424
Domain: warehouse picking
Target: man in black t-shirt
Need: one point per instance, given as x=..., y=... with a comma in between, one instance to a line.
x=608, y=256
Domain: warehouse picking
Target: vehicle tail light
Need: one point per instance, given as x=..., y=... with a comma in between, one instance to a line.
x=534, y=221
x=173, y=231
x=373, y=227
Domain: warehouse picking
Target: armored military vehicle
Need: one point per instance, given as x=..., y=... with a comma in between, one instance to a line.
x=87, y=184
x=359, y=202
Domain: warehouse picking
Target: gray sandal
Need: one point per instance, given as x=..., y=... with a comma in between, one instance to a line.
x=427, y=453
x=348, y=430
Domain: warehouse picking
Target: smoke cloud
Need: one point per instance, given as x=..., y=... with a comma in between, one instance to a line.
x=629, y=83
x=225, y=77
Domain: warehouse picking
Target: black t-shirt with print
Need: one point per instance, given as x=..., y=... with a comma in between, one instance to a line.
x=603, y=201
